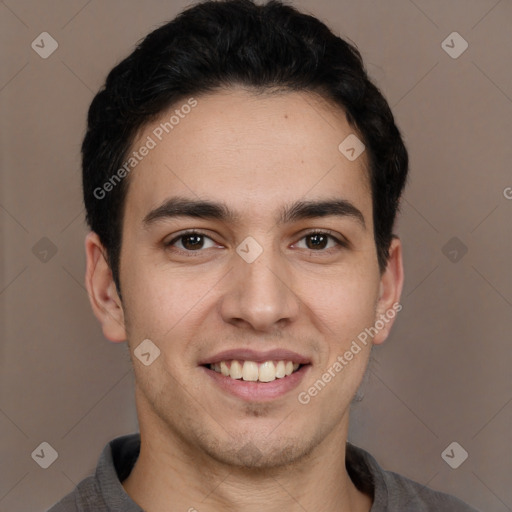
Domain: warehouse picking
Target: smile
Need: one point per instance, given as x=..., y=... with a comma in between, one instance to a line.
x=251, y=371
x=256, y=376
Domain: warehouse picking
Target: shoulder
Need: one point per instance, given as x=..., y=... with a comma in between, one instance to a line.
x=406, y=494
x=103, y=491
x=86, y=497
x=393, y=492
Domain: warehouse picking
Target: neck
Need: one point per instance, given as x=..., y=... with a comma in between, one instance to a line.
x=171, y=473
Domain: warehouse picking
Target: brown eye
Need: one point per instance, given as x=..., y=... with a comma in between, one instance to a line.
x=317, y=241
x=190, y=242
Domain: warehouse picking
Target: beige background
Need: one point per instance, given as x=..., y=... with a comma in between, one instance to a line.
x=443, y=375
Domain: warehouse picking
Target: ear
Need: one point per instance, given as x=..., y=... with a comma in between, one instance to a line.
x=105, y=301
x=391, y=283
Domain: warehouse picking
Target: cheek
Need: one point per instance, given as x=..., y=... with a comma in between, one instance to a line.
x=161, y=303
x=345, y=302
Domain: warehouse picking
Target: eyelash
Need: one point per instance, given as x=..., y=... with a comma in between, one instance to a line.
x=340, y=243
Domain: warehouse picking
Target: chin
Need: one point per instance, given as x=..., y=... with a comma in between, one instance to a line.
x=253, y=448
x=254, y=456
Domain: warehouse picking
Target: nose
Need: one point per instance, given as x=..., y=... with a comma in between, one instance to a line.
x=260, y=294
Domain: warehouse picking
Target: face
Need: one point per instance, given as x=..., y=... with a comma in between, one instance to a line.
x=279, y=274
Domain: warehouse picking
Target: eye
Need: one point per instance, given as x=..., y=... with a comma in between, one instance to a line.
x=191, y=241
x=319, y=241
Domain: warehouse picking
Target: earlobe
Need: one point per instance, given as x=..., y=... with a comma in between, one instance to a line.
x=103, y=296
x=390, y=291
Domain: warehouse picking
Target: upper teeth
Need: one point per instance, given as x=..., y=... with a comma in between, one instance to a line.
x=252, y=371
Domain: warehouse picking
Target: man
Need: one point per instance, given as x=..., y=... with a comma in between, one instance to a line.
x=241, y=178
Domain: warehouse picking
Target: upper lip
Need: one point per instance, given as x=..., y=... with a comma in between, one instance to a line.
x=246, y=354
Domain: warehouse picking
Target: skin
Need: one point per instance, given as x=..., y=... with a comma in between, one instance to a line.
x=202, y=448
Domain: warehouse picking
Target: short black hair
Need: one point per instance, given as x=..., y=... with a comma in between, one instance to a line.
x=215, y=45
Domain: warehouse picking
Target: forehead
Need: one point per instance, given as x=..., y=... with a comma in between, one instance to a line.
x=254, y=151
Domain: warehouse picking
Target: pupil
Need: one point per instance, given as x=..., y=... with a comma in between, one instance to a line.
x=317, y=237
x=193, y=245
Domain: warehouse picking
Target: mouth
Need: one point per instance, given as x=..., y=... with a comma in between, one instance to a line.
x=254, y=376
x=252, y=371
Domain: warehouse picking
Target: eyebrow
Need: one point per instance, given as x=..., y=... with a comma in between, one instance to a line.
x=211, y=210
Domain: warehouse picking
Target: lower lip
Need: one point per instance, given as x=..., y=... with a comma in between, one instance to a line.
x=258, y=391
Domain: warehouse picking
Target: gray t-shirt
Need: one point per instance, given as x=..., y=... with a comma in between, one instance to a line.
x=103, y=492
